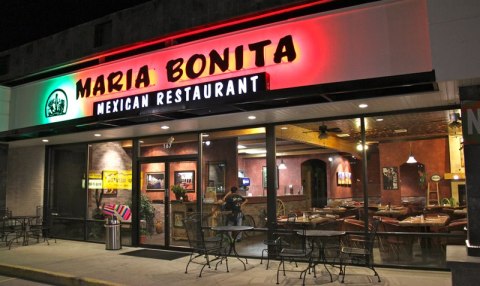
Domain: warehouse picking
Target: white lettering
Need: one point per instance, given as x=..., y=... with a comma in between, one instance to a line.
x=254, y=83
x=115, y=104
x=128, y=103
x=100, y=108
x=218, y=89
x=230, y=88
x=187, y=93
x=196, y=93
x=473, y=122
x=169, y=97
x=178, y=96
x=136, y=103
x=242, y=85
x=145, y=100
x=160, y=96
x=207, y=91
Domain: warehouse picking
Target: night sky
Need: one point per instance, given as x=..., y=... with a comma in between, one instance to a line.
x=22, y=21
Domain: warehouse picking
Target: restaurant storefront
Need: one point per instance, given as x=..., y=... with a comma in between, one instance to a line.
x=336, y=103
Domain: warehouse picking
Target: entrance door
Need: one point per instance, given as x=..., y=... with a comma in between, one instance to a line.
x=160, y=212
x=153, y=199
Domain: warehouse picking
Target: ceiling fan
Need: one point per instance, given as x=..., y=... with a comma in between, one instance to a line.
x=323, y=131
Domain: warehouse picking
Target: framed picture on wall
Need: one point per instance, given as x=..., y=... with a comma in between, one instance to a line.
x=344, y=179
x=264, y=178
x=390, y=178
x=155, y=182
x=178, y=219
x=185, y=179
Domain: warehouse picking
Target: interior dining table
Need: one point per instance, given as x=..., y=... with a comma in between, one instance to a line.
x=425, y=221
x=392, y=211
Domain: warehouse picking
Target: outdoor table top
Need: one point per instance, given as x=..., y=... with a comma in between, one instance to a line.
x=232, y=228
x=321, y=233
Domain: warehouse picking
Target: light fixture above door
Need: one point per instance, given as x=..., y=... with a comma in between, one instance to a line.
x=411, y=159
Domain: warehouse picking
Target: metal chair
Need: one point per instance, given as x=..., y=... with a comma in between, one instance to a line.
x=205, y=250
x=297, y=249
x=360, y=255
x=41, y=226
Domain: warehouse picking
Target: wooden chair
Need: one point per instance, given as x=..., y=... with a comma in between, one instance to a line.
x=399, y=247
x=360, y=255
x=204, y=250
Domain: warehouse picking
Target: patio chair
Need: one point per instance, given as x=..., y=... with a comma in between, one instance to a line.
x=8, y=227
x=275, y=245
x=360, y=255
x=205, y=250
x=297, y=249
x=41, y=226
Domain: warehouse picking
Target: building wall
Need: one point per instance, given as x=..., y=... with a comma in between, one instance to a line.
x=455, y=38
x=26, y=170
x=140, y=23
x=4, y=107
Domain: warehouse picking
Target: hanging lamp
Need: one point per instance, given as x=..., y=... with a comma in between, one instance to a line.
x=411, y=159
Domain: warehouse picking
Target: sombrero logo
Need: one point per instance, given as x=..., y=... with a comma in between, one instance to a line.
x=57, y=103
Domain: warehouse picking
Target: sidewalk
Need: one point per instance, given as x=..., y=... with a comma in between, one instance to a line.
x=82, y=263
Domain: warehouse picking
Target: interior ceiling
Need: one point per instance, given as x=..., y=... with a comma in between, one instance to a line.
x=419, y=124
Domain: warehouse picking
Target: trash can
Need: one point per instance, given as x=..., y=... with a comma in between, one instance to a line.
x=113, y=239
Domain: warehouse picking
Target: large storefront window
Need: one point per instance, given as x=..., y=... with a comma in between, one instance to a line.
x=109, y=188
x=416, y=175
x=88, y=183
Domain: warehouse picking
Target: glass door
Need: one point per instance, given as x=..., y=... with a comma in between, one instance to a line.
x=153, y=199
x=182, y=186
x=167, y=195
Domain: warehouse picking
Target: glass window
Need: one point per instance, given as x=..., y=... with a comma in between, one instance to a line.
x=416, y=185
x=109, y=187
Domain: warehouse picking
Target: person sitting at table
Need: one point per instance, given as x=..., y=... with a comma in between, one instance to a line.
x=234, y=202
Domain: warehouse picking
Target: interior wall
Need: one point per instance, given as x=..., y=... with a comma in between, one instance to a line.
x=25, y=184
x=433, y=153
x=109, y=156
x=222, y=150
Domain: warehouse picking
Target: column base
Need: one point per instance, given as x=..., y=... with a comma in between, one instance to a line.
x=464, y=267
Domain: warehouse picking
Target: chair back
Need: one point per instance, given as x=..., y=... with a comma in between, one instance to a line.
x=193, y=228
x=372, y=234
x=5, y=213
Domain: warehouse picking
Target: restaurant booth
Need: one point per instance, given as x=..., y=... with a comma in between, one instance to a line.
x=332, y=116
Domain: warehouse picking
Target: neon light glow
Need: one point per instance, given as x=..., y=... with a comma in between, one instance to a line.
x=309, y=50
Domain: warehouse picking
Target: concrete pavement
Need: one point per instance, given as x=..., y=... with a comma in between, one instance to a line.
x=82, y=263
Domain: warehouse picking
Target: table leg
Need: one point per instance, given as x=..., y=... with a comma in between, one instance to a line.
x=233, y=247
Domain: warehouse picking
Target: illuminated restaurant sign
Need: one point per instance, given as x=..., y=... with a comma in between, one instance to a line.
x=208, y=91
x=304, y=51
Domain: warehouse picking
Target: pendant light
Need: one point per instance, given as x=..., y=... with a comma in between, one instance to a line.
x=282, y=165
x=411, y=159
